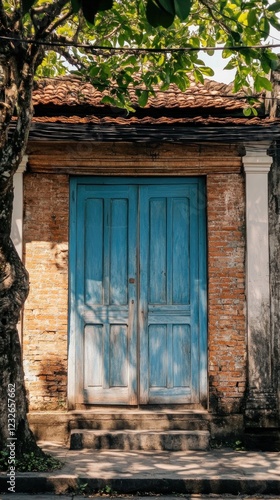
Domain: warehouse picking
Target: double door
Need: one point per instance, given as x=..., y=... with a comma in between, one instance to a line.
x=138, y=298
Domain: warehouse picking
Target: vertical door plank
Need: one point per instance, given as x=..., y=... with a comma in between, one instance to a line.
x=157, y=355
x=93, y=368
x=119, y=252
x=157, y=251
x=181, y=343
x=180, y=251
x=94, y=251
x=118, y=356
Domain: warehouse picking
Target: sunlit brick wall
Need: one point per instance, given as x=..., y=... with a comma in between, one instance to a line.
x=45, y=313
x=226, y=291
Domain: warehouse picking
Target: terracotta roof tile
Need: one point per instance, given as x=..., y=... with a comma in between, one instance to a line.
x=148, y=120
x=68, y=91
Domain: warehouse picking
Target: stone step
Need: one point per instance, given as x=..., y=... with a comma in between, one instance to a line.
x=140, y=420
x=145, y=440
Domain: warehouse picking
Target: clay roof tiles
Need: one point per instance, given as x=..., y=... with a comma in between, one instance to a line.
x=71, y=92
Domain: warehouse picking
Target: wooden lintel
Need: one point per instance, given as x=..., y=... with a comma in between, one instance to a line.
x=133, y=159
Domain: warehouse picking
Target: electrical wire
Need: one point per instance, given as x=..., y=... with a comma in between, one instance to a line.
x=136, y=50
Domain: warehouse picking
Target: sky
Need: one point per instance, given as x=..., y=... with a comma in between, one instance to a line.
x=217, y=63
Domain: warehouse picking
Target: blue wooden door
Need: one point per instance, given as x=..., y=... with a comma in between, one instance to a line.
x=171, y=288
x=105, y=294
x=138, y=266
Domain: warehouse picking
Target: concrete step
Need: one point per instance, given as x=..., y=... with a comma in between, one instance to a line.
x=145, y=440
x=140, y=420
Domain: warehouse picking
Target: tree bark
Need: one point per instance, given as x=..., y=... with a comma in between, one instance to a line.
x=17, y=72
x=13, y=292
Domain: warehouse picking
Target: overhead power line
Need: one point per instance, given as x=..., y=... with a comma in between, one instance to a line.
x=136, y=50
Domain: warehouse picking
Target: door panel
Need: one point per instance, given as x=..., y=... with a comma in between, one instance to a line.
x=106, y=258
x=169, y=340
x=138, y=278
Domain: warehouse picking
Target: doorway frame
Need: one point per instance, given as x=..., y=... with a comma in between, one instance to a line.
x=74, y=358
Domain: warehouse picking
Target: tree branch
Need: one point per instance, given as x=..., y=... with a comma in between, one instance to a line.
x=210, y=9
x=71, y=59
x=79, y=27
x=50, y=13
x=115, y=30
x=59, y=22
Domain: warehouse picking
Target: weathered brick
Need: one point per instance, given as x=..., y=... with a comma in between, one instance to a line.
x=226, y=275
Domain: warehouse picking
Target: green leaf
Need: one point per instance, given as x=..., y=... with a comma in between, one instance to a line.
x=274, y=23
x=207, y=71
x=181, y=82
x=247, y=111
x=227, y=53
x=198, y=76
x=275, y=7
x=252, y=18
x=182, y=8
x=167, y=5
x=161, y=60
x=104, y=5
x=26, y=5
x=195, y=41
x=273, y=60
x=271, y=56
x=93, y=71
x=222, y=5
x=210, y=42
x=157, y=16
x=76, y=5
x=131, y=60
x=110, y=101
x=88, y=11
x=165, y=86
x=231, y=64
x=91, y=7
x=243, y=18
x=265, y=26
x=236, y=36
x=265, y=63
x=262, y=83
x=143, y=98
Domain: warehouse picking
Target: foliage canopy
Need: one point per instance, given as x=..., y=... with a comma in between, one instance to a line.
x=144, y=43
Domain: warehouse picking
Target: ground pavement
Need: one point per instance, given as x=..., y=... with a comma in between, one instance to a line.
x=220, y=472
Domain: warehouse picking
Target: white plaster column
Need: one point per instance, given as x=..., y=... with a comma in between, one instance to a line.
x=257, y=164
x=17, y=220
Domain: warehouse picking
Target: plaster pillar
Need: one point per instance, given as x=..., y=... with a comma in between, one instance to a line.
x=17, y=219
x=261, y=400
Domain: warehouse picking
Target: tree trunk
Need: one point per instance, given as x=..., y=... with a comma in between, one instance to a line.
x=14, y=430
x=17, y=69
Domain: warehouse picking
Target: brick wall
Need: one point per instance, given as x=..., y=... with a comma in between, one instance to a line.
x=226, y=291
x=45, y=316
x=45, y=312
